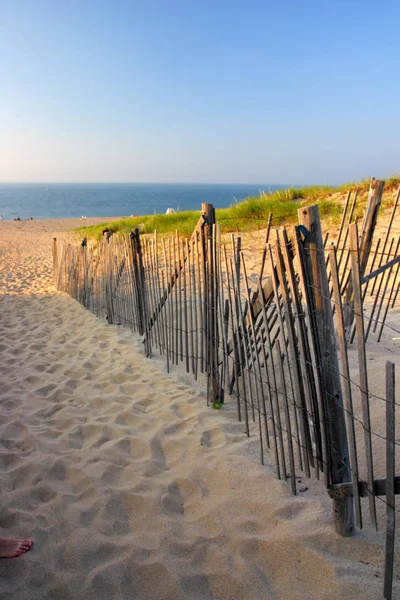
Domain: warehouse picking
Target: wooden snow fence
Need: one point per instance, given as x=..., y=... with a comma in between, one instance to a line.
x=279, y=343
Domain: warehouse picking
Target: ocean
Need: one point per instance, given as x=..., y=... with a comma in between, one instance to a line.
x=61, y=200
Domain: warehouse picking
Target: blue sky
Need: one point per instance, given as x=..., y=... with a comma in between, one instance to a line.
x=199, y=91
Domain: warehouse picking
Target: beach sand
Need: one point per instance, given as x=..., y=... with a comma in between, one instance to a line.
x=130, y=487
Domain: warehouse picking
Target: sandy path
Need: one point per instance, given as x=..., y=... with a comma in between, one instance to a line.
x=128, y=484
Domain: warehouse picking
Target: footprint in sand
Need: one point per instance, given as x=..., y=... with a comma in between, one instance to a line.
x=172, y=502
x=75, y=439
x=59, y=470
x=213, y=438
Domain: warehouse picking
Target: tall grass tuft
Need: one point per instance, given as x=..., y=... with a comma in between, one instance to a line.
x=250, y=214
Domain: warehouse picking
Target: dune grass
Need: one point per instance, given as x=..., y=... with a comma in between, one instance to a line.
x=251, y=214
x=248, y=215
x=184, y=222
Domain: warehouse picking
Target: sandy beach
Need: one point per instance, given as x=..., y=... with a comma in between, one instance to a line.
x=129, y=486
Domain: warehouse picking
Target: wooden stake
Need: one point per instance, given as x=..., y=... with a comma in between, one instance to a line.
x=175, y=324
x=348, y=401
x=234, y=339
x=390, y=475
x=303, y=271
x=185, y=313
x=328, y=361
x=196, y=316
x=242, y=351
x=362, y=364
x=368, y=229
x=342, y=249
x=396, y=202
x=395, y=278
x=377, y=297
x=385, y=286
x=287, y=418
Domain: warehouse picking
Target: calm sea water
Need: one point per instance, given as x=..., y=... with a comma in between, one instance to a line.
x=50, y=200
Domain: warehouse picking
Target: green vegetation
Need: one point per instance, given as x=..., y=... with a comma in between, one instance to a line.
x=250, y=214
x=217, y=405
x=391, y=183
x=185, y=222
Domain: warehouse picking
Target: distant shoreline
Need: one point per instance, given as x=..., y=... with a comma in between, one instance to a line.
x=74, y=200
x=56, y=224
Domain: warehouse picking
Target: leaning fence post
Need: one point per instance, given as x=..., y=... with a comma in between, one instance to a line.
x=337, y=299
x=390, y=476
x=367, y=234
x=337, y=451
x=208, y=213
x=362, y=365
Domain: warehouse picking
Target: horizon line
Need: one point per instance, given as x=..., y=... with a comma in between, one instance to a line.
x=162, y=183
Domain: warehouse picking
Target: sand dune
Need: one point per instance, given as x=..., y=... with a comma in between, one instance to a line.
x=128, y=484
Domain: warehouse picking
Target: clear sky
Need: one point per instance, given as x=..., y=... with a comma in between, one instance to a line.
x=302, y=91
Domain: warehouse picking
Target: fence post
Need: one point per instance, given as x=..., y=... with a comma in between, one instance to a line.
x=140, y=286
x=367, y=234
x=390, y=476
x=84, y=281
x=208, y=214
x=55, y=260
x=362, y=364
x=337, y=451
